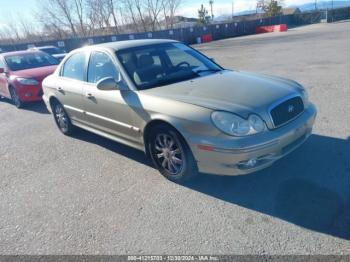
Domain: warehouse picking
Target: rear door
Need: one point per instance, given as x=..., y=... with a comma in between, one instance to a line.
x=69, y=88
x=107, y=110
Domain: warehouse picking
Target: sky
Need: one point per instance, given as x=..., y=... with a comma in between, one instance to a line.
x=11, y=8
x=190, y=7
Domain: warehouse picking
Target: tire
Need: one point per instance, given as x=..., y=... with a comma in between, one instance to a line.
x=171, y=155
x=15, y=98
x=62, y=119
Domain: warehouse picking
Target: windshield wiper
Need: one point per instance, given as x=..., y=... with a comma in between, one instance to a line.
x=206, y=70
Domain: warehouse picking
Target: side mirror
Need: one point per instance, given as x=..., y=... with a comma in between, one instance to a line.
x=2, y=70
x=107, y=83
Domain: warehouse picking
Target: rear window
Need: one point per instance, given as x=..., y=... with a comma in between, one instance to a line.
x=52, y=50
x=29, y=61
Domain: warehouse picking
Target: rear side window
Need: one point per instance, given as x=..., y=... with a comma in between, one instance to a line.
x=74, y=67
x=101, y=66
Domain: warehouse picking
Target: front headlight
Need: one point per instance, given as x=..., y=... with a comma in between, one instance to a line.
x=305, y=97
x=234, y=125
x=27, y=81
x=304, y=93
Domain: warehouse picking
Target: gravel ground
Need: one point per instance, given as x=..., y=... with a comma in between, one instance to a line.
x=88, y=195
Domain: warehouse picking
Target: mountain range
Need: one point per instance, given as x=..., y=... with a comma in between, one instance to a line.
x=303, y=8
x=323, y=5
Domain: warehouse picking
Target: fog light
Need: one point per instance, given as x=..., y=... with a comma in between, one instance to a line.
x=28, y=94
x=248, y=163
x=252, y=162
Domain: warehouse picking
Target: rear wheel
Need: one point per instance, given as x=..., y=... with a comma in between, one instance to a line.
x=62, y=119
x=171, y=154
x=15, y=98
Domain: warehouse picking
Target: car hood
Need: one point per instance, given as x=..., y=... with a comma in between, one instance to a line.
x=233, y=91
x=36, y=73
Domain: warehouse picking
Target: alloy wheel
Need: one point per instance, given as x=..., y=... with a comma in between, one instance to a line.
x=61, y=118
x=15, y=98
x=169, y=154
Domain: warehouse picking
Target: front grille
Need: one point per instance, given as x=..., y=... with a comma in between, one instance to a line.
x=287, y=110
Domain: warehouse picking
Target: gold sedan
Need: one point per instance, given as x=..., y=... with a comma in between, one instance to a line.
x=186, y=112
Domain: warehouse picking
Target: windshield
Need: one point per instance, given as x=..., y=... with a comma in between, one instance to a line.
x=30, y=60
x=162, y=64
x=52, y=50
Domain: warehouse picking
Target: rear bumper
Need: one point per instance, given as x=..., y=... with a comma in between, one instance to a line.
x=230, y=156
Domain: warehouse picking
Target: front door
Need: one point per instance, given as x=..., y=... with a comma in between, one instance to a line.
x=107, y=110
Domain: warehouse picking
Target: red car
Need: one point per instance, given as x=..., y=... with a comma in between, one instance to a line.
x=21, y=75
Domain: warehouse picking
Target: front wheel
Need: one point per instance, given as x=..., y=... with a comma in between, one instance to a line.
x=62, y=119
x=15, y=98
x=171, y=154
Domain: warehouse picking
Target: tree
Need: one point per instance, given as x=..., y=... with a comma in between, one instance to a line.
x=99, y=15
x=82, y=18
x=203, y=17
x=113, y=10
x=270, y=7
x=169, y=10
x=80, y=14
x=154, y=7
x=58, y=13
x=135, y=12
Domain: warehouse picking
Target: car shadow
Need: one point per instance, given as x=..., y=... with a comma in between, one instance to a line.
x=115, y=147
x=309, y=188
x=38, y=107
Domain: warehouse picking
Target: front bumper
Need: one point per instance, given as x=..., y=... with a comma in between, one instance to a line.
x=230, y=156
x=29, y=93
x=47, y=102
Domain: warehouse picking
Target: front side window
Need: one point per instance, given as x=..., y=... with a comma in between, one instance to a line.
x=74, y=67
x=30, y=60
x=162, y=64
x=2, y=64
x=101, y=66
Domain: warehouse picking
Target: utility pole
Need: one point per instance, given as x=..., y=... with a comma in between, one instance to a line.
x=233, y=9
x=211, y=2
x=315, y=4
x=332, y=10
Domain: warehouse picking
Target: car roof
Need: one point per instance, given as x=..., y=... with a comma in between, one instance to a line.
x=24, y=52
x=132, y=43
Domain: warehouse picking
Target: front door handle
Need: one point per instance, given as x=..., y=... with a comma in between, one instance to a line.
x=89, y=95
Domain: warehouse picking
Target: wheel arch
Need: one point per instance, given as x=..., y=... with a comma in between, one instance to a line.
x=53, y=100
x=9, y=86
x=157, y=122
